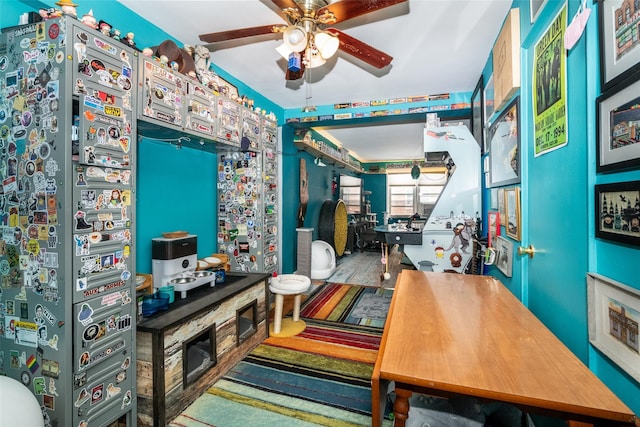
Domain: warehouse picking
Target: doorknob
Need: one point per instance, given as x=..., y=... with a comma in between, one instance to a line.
x=530, y=251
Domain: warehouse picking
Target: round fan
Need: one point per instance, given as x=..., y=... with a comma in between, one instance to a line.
x=308, y=42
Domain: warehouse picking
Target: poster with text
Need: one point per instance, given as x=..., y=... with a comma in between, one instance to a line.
x=550, y=87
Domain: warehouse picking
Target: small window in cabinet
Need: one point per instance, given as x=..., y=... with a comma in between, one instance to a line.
x=199, y=354
x=246, y=321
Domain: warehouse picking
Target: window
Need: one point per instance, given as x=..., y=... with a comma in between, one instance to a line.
x=407, y=196
x=351, y=193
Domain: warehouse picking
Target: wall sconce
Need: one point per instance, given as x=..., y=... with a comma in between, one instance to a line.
x=318, y=162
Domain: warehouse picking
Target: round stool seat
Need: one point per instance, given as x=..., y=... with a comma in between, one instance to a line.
x=289, y=284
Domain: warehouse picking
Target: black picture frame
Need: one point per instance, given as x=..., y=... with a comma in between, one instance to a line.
x=615, y=68
x=477, y=113
x=504, y=146
x=616, y=114
x=617, y=212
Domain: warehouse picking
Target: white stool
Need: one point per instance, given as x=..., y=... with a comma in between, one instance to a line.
x=287, y=284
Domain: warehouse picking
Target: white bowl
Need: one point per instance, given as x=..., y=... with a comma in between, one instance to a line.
x=213, y=260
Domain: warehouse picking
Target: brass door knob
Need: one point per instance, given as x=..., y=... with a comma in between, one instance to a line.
x=527, y=251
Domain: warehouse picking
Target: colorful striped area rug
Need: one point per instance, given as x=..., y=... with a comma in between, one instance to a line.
x=321, y=377
x=351, y=304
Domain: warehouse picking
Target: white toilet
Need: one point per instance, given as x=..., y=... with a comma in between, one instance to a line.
x=323, y=260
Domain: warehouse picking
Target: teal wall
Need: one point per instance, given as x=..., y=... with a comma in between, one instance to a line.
x=171, y=185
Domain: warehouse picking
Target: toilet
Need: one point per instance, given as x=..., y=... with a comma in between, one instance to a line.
x=323, y=260
x=287, y=284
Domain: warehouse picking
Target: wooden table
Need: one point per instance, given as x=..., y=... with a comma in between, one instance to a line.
x=452, y=334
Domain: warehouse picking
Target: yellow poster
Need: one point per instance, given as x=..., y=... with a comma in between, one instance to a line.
x=550, y=87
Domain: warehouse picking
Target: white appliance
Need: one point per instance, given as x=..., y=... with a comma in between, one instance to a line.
x=174, y=263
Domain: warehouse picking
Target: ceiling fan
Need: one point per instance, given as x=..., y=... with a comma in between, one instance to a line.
x=308, y=42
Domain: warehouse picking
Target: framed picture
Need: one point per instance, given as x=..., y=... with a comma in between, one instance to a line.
x=494, y=227
x=504, y=260
x=506, y=60
x=477, y=117
x=227, y=89
x=488, y=101
x=619, y=44
x=617, y=116
x=614, y=315
x=501, y=210
x=512, y=206
x=535, y=7
x=618, y=212
x=505, y=146
x=494, y=199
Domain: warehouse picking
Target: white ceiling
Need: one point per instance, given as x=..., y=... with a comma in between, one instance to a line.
x=438, y=46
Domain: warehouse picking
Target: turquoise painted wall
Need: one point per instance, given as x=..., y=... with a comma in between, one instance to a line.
x=163, y=190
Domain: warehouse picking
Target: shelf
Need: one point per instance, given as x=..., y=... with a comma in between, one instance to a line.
x=327, y=158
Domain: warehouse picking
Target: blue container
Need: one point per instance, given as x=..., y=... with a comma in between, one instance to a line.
x=169, y=291
x=220, y=276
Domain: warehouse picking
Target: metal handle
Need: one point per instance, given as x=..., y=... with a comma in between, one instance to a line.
x=528, y=251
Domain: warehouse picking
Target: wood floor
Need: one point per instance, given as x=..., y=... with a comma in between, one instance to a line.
x=360, y=268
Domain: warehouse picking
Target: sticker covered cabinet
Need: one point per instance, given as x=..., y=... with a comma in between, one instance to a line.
x=67, y=156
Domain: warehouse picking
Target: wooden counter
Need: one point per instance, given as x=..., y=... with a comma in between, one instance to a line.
x=232, y=317
x=452, y=334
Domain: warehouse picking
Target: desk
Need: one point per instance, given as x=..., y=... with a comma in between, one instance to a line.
x=452, y=334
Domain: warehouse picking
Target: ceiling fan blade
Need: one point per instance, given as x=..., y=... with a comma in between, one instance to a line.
x=241, y=33
x=347, y=9
x=361, y=50
x=288, y=4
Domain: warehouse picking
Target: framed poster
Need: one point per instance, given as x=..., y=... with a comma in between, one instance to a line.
x=504, y=146
x=535, y=7
x=549, y=88
x=617, y=115
x=512, y=205
x=494, y=227
x=617, y=212
x=477, y=118
x=614, y=317
x=504, y=261
x=488, y=100
x=619, y=42
x=501, y=209
x=227, y=89
x=506, y=60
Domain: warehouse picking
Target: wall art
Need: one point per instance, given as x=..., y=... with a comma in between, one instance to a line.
x=504, y=247
x=505, y=146
x=535, y=7
x=619, y=43
x=512, y=205
x=477, y=116
x=617, y=212
x=614, y=317
x=506, y=60
x=618, y=116
x=494, y=227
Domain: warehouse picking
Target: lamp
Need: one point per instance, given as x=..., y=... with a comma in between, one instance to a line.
x=295, y=38
x=318, y=162
x=326, y=43
x=315, y=47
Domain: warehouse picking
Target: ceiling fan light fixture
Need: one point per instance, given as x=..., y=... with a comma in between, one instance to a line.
x=326, y=44
x=295, y=38
x=312, y=58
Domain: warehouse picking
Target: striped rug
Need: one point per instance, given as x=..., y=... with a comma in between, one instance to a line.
x=321, y=377
x=351, y=304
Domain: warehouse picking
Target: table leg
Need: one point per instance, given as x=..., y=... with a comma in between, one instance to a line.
x=401, y=407
x=378, y=400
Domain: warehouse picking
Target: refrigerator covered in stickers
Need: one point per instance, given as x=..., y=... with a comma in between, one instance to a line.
x=67, y=143
x=247, y=220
